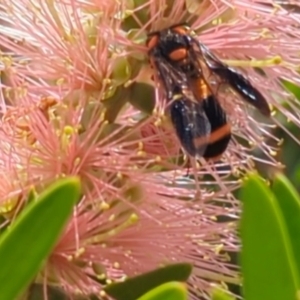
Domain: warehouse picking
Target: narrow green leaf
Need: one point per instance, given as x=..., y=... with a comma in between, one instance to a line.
x=289, y=202
x=135, y=287
x=218, y=294
x=26, y=244
x=2, y=228
x=115, y=103
x=267, y=259
x=167, y=291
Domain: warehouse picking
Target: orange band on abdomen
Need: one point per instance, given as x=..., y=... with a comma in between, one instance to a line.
x=215, y=136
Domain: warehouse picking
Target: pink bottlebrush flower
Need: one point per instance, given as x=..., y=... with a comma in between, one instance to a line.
x=66, y=42
x=132, y=243
x=126, y=207
x=66, y=111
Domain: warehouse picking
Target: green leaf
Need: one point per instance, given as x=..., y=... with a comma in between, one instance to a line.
x=136, y=61
x=142, y=97
x=26, y=244
x=139, y=37
x=292, y=87
x=135, y=287
x=121, y=70
x=267, y=259
x=114, y=104
x=142, y=15
x=37, y=292
x=289, y=202
x=167, y=291
x=218, y=294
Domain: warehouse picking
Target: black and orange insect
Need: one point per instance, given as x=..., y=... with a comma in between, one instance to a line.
x=191, y=76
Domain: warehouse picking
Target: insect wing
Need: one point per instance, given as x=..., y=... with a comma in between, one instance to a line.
x=172, y=80
x=235, y=80
x=191, y=125
x=220, y=128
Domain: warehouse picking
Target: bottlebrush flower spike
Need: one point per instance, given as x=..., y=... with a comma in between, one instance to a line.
x=126, y=207
x=113, y=242
x=64, y=41
x=69, y=107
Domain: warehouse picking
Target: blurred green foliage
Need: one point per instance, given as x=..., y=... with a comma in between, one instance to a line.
x=167, y=291
x=270, y=234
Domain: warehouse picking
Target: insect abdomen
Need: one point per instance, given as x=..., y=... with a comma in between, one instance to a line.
x=190, y=123
x=201, y=127
x=220, y=129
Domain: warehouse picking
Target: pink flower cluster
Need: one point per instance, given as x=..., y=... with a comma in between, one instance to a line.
x=71, y=104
